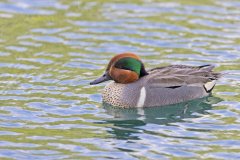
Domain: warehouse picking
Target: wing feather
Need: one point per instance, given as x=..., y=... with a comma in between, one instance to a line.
x=180, y=75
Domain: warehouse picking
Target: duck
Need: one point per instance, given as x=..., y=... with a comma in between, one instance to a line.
x=133, y=86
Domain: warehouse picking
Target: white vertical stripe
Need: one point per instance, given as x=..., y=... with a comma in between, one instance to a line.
x=142, y=97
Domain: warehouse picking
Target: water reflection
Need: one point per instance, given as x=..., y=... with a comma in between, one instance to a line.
x=127, y=121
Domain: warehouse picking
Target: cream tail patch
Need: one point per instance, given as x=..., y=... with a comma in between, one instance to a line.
x=209, y=85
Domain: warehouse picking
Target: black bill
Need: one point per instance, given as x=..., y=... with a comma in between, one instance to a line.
x=101, y=79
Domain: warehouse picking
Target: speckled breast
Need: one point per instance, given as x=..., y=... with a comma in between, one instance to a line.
x=121, y=95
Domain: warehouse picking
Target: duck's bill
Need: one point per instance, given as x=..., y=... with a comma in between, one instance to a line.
x=103, y=78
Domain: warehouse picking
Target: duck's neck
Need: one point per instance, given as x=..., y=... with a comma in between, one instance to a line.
x=143, y=71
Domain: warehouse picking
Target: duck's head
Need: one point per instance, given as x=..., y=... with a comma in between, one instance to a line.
x=123, y=68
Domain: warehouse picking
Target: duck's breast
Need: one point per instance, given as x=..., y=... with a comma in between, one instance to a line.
x=122, y=95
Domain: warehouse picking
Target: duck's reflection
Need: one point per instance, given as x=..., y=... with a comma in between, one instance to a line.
x=126, y=121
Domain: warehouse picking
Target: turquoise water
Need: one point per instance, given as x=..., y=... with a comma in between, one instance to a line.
x=51, y=50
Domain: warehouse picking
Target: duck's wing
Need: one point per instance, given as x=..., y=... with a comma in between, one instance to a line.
x=175, y=76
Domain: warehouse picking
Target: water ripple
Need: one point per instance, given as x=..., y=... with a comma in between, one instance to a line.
x=51, y=50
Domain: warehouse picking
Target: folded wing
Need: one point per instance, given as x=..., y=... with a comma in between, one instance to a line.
x=175, y=76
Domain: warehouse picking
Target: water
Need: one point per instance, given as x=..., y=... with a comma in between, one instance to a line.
x=51, y=50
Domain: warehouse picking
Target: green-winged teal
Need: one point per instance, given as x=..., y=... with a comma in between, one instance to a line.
x=133, y=86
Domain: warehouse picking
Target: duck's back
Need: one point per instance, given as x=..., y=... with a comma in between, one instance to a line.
x=163, y=86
